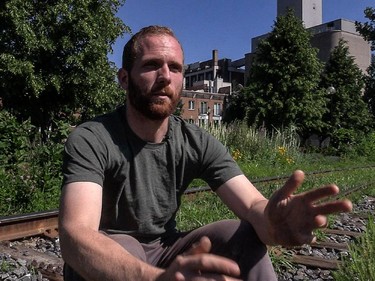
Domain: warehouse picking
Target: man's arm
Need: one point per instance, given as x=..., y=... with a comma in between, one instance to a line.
x=97, y=257
x=241, y=196
x=285, y=218
x=93, y=255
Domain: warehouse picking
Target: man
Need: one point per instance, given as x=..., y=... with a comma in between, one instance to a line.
x=125, y=173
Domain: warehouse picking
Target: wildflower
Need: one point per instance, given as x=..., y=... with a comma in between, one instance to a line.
x=236, y=154
x=289, y=160
x=282, y=150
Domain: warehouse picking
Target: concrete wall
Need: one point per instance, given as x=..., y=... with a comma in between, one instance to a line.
x=309, y=11
x=358, y=47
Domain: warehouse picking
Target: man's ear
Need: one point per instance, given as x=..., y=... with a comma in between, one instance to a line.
x=123, y=78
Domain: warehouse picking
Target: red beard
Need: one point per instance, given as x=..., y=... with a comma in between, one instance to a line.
x=151, y=104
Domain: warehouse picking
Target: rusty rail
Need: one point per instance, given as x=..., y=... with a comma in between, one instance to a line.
x=20, y=226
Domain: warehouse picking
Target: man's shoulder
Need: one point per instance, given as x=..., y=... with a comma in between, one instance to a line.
x=190, y=132
x=179, y=122
x=104, y=126
x=103, y=121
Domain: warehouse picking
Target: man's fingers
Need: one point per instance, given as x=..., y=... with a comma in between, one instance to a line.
x=333, y=207
x=200, y=247
x=291, y=185
x=320, y=193
x=321, y=221
x=197, y=259
x=208, y=263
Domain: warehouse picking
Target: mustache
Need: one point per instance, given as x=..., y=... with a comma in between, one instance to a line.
x=166, y=90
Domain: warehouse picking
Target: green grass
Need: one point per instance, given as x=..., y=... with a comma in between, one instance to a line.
x=205, y=207
x=200, y=209
x=263, y=156
x=6, y=266
x=360, y=265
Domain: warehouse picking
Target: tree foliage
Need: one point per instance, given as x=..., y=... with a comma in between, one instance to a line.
x=30, y=173
x=367, y=30
x=284, y=79
x=235, y=106
x=369, y=94
x=53, y=58
x=348, y=115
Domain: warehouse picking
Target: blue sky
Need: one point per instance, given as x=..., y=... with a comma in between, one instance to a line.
x=225, y=25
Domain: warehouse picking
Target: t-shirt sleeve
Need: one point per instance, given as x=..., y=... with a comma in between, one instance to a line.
x=218, y=165
x=84, y=157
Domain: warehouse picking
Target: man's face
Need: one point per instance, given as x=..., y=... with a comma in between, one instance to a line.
x=155, y=82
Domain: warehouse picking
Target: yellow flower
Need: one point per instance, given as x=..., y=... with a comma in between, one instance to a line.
x=236, y=154
x=282, y=150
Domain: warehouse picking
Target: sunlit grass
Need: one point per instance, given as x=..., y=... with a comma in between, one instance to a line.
x=263, y=154
x=360, y=265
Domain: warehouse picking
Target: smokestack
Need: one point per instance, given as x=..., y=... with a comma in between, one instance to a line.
x=215, y=63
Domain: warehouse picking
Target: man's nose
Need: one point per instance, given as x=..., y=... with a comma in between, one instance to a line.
x=164, y=74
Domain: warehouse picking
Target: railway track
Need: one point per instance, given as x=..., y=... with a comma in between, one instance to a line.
x=19, y=226
x=14, y=230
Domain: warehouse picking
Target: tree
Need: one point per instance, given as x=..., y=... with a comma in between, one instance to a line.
x=234, y=106
x=367, y=30
x=284, y=80
x=369, y=95
x=348, y=117
x=53, y=58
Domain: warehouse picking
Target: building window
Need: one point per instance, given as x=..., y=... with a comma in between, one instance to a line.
x=209, y=75
x=203, y=109
x=191, y=105
x=187, y=82
x=217, y=109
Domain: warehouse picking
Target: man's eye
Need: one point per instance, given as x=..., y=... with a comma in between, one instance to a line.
x=175, y=68
x=151, y=65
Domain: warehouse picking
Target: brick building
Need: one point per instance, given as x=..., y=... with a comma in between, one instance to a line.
x=202, y=107
x=206, y=84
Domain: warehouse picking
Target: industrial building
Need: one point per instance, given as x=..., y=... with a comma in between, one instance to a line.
x=207, y=83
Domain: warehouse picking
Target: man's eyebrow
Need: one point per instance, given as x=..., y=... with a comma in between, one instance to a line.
x=159, y=60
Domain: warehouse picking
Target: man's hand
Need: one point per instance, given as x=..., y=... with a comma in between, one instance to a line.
x=198, y=265
x=292, y=218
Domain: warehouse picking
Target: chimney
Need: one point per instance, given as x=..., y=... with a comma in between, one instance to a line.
x=215, y=62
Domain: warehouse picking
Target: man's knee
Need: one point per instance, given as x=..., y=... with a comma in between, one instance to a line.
x=235, y=237
x=130, y=244
x=239, y=241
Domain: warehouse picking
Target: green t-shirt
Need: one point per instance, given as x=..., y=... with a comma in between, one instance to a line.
x=143, y=182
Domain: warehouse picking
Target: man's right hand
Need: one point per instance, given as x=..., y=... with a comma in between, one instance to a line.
x=197, y=264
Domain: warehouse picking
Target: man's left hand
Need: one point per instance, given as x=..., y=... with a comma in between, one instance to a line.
x=292, y=218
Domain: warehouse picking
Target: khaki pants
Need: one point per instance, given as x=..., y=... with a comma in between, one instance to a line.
x=233, y=239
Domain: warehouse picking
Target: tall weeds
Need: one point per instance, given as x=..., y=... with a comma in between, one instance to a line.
x=360, y=265
x=258, y=144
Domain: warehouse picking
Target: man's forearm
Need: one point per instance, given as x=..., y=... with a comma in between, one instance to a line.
x=97, y=257
x=258, y=219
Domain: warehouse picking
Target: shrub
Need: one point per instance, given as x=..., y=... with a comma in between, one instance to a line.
x=366, y=147
x=30, y=175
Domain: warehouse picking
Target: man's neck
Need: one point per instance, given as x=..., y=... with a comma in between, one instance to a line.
x=147, y=129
